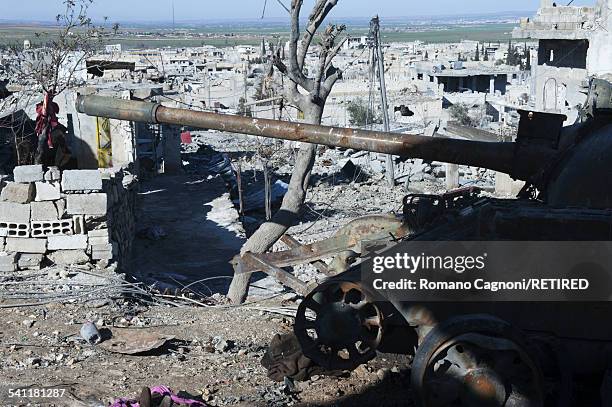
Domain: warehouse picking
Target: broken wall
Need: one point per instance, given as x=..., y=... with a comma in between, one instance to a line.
x=70, y=218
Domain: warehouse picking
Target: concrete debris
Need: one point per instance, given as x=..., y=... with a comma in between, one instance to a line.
x=28, y=173
x=74, y=242
x=68, y=257
x=42, y=211
x=26, y=245
x=14, y=213
x=90, y=204
x=81, y=181
x=47, y=191
x=53, y=174
x=8, y=262
x=28, y=323
x=222, y=345
x=30, y=261
x=59, y=225
x=18, y=193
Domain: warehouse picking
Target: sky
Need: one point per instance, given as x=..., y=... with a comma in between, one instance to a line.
x=190, y=10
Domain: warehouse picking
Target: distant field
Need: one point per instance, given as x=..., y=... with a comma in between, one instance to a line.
x=12, y=35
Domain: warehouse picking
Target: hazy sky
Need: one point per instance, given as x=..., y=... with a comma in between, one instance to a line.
x=142, y=10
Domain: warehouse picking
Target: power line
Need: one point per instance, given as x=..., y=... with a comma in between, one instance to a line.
x=285, y=7
x=263, y=14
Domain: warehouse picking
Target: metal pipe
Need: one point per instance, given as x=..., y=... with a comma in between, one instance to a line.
x=509, y=158
x=129, y=110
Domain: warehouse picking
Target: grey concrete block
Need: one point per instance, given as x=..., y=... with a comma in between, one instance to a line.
x=68, y=257
x=102, y=247
x=98, y=240
x=104, y=252
x=51, y=228
x=87, y=204
x=26, y=245
x=28, y=173
x=14, y=213
x=74, y=242
x=104, y=255
x=18, y=193
x=98, y=233
x=15, y=229
x=47, y=191
x=81, y=180
x=41, y=211
x=53, y=174
x=8, y=267
x=7, y=258
x=30, y=261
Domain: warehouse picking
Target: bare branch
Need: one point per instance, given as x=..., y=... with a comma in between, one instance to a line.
x=332, y=75
x=52, y=68
x=296, y=71
x=332, y=54
x=317, y=16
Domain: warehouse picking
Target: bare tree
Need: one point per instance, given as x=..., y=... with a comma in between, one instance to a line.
x=309, y=94
x=55, y=67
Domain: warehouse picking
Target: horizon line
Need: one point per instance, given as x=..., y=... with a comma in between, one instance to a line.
x=270, y=19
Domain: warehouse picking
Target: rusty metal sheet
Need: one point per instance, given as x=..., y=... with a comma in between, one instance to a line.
x=134, y=341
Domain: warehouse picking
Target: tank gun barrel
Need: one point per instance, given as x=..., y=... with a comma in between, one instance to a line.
x=492, y=155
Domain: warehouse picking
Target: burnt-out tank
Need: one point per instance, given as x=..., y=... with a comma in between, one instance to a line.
x=473, y=353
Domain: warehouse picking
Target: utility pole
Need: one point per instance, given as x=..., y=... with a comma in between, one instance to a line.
x=208, y=86
x=173, y=18
x=246, y=68
x=379, y=57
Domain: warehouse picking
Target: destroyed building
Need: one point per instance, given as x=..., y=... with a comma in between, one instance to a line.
x=456, y=77
x=574, y=44
x=122, y=128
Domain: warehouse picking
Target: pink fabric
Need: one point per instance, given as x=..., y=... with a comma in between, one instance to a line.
x=46, y=119
x=162, y=390
x=186, y=137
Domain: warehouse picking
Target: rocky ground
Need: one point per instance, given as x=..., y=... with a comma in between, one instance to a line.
x=215, y=354
x=189, y=230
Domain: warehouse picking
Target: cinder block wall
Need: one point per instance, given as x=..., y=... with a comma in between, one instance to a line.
x=66, y=218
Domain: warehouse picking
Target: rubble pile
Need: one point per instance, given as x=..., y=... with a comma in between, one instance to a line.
x=65, y=218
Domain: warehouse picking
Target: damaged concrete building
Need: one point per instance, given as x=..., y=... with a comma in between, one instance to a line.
x=574, y=44
x=458, y=78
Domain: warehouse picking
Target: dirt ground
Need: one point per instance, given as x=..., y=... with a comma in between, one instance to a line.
x=215, y=354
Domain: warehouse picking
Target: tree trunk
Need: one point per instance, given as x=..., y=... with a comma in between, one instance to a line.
x=269, y=233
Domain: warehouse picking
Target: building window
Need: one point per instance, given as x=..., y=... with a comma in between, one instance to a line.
x=563, y=53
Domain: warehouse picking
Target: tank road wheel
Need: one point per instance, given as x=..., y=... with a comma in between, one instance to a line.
x=338, y=326
x=475, y=360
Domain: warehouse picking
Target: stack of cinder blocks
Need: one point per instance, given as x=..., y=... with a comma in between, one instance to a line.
x=63, y=217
